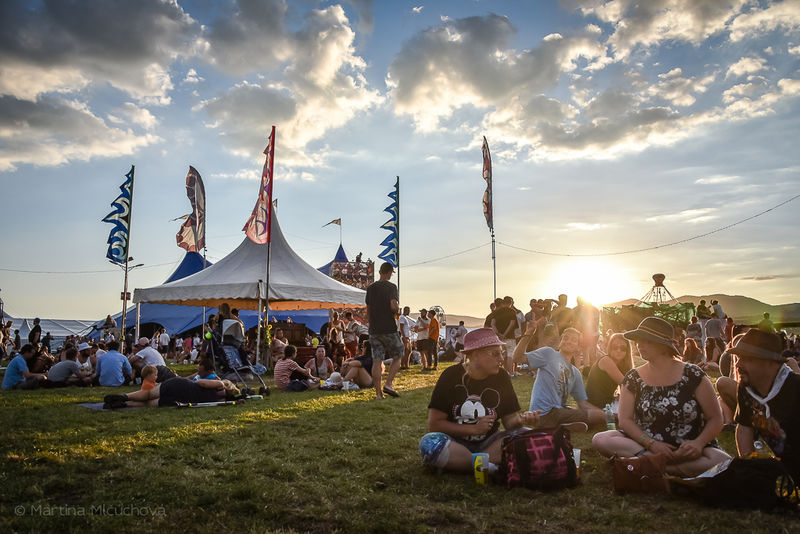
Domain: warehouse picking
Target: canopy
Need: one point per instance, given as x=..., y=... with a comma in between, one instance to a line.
x=340, y=257
x=192, y=262
x=238, y=279
x=59, y=328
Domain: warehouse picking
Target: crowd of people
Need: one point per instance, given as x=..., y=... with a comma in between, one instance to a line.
x=668, y=405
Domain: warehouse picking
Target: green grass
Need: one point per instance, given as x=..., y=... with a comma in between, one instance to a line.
x=313, y=461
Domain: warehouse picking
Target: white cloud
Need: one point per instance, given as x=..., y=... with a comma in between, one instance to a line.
x=417, y=9
x=794, y=50
x=783, y=15
x=586, y=227
x=691, y=216
x=746, y=65
x=241, y=174
x=718, y=179
x=54, y=131
x=192, y=77
x=755, y=85
x=321, y=88
x=676, y=89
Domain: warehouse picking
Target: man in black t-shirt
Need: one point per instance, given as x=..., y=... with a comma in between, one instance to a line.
x=384, y=337
x=36, y=332
x=768, y=399
x=468, y=403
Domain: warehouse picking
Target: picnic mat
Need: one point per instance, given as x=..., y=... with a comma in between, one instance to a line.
x=99, y=406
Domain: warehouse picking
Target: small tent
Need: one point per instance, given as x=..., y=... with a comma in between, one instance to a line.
x=340, y=257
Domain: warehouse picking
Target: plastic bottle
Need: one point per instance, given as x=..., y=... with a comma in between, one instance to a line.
x=480, y=463
x=611, y=422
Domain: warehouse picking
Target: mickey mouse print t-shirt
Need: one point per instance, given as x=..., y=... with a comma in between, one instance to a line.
x=465, y=399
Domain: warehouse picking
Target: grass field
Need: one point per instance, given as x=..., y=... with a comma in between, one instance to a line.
x=313, y=461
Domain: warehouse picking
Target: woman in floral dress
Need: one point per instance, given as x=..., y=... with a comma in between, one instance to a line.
x=666, y=407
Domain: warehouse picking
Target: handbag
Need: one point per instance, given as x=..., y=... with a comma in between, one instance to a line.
x=640, y=474
x=539, y=460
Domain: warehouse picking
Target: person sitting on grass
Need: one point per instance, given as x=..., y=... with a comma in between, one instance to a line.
x=692, y=352
x=358, y=370
x=288, y=375
x=149, y=375
x=68, y=372
x=320, y=365
x=557, y=379
x=205, y=370
x=174, y=391
x=17, y=374
x=666, y=407
x=468, y=403
x=608, y=372
x=113, y=369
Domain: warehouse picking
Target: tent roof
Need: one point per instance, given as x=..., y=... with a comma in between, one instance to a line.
x=340, y=257
x=192, y=262
x=237, y=279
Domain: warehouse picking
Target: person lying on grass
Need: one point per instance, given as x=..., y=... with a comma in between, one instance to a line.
x=468, y=403
x=176, y=390
x=666, y=407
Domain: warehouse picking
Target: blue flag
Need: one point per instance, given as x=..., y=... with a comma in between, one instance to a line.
x=120, y=217
x=392, y=242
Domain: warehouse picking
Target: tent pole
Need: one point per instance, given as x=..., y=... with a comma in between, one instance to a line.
x=397, y=258
x=204, y=308
x=266, y=304
x=138, y=317
x=258, y=331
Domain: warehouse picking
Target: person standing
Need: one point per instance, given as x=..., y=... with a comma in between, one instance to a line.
x=421, y=328
x=351, y=330
x=406, y=323
x=384, y=338
x=461, y=332
x=433, y=339
x=35, y=334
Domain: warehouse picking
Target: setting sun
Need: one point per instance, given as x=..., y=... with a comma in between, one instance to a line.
x=598, y=281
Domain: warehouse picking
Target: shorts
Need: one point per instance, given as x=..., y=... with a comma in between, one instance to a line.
x=386, y=346
x=560, y=416
x=511, y=345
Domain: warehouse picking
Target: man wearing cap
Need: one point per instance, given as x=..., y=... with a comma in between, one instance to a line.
x=768, y=399
x=384, y=338
x=557, y=378
x=421, y=328
x=468, y=403
x=85, y=359
x=147, y=353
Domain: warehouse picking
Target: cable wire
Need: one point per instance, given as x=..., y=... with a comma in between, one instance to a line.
x=655, y=247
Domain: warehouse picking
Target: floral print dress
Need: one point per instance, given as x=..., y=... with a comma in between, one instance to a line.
x=668, y=413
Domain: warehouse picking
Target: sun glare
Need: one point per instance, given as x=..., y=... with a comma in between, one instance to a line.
x=598, y=281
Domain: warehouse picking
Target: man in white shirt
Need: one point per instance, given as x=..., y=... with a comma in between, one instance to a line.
x=148, y=354
x=163, y=342
x=461, y=332
x=406, y=323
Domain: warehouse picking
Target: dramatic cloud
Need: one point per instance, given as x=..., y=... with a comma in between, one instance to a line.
x=53, y=131
x=783, y=15
x=62, y=46
x=322, y=87
x=646, y=24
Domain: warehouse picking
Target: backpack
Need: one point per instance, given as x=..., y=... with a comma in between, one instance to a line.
x=762, y=483
x=539, y=460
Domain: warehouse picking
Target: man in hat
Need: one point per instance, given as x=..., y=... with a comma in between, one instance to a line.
x=768, y=399
x=558, y=378
x=468, y=403
x=147, y=353
x=85, y=358
x=384, y=338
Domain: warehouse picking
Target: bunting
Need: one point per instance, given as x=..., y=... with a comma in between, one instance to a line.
x=120, y=217
x=258, y=225
x=192, y=235
x=392, y=242
x=487, y=175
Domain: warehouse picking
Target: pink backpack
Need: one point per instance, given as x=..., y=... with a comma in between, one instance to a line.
x=539, y=460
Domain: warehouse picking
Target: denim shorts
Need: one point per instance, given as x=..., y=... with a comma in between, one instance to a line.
x=386, y=346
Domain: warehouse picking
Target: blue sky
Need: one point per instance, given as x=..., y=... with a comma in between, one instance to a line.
x=614, y=126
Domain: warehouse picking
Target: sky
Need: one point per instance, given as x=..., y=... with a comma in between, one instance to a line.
x=614, y=126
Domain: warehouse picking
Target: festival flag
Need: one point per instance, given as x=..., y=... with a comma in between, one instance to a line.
x=192, y=235
x=392, y=242
x=120, y=217
x=258, y=225
x=487, y=175
x=335, y=221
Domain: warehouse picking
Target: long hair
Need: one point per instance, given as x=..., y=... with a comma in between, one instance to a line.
x=691, y=351
x=627, y=362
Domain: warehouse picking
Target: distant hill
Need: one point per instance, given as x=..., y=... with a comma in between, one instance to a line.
x=743, y=309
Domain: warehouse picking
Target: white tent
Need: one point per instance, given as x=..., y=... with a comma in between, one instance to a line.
x=293, y=284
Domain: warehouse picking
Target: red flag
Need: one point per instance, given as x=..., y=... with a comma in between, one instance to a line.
x=258, y=225
x=192, y=235
x=487, y=175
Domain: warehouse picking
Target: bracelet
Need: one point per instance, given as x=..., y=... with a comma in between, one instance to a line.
x=646, y=441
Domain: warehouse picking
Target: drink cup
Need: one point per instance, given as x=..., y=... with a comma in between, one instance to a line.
x=576, y=454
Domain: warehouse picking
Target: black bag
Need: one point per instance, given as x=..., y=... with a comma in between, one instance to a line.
x=762, y=483
x=539, y=460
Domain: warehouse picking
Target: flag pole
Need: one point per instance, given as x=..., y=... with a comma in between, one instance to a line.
x=494, y=266
x=127, y=260
x=398, y=238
